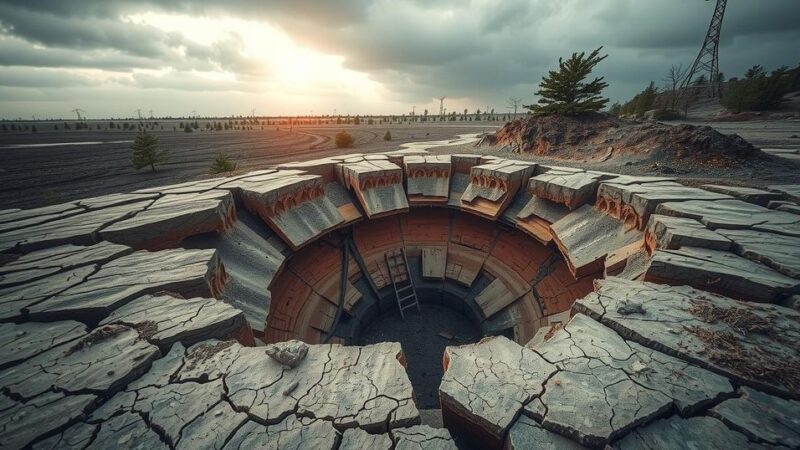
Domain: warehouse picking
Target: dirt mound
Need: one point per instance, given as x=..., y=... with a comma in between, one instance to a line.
x=601, y=136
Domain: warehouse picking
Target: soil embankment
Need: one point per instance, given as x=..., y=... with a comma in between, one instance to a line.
x=601, y=137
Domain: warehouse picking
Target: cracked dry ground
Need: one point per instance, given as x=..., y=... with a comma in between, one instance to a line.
x=633, y=312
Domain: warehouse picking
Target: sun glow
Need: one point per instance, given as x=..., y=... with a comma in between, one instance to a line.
x=264, y=59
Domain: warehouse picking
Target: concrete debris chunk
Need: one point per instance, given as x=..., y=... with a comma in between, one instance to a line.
x=289, y=353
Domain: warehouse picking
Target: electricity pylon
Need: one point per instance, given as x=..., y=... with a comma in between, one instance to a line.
x=441, y=107
x=78, y=112
x=707, y=61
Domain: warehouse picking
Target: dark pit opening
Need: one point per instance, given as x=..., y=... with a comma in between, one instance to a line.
x=423, y=345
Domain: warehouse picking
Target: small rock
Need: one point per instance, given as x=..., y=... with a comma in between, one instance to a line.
x=288, y=391
x=627, y=308
x=288, y=353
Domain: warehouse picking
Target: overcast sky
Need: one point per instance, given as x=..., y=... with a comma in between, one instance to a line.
x=111, y=57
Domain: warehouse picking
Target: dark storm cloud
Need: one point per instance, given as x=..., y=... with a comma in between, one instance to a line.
x=477, y=49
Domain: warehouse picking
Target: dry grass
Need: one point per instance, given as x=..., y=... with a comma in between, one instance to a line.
x=742, y=320
x=756, y=363
x=96, y=336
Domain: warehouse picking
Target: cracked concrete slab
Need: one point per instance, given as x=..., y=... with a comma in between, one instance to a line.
x=25, y=340
x=164, y=320
x=606, y=385
x=751, y=343
x=22, y=423
x=422, y=437
x=734, y=214
x=695, y=432
x=751, y=195
x=172, y=218
x=777, y=251
x=77, y=229
x=721, y=272
x=672, y=233
x=187, y=272
x=101, y=362
x=569, y=189
x=486, y=385
x=528, y=434
x=38, y=264
x=762, y=417
x=585, y=237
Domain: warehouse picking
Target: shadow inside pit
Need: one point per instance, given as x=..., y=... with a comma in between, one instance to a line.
x=422, y=343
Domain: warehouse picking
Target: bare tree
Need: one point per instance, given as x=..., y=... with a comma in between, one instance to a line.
x=514, y=103
x=673, y=81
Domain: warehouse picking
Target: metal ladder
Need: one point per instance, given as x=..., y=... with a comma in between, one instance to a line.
x=404, y=290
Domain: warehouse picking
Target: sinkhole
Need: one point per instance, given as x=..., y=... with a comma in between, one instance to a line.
x=472, y=276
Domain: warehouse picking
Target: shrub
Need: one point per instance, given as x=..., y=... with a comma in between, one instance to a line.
x=187, y=128
x=666, y=114
x=387, y=136
x=146, y=152
x=222, y=163
x=565, y=91
x=758, y=91
x=344, y=140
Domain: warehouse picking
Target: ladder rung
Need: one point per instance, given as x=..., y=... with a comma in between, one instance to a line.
x=407, y=297
x=405, y=288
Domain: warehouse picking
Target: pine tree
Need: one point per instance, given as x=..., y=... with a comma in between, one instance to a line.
x=146, y=152
x=387, y=136
x=565, y=91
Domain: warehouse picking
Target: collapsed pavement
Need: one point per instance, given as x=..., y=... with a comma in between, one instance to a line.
x=618, y=310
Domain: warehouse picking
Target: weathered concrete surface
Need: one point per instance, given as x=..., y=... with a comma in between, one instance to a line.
x=695, y=432
x=25, y=340
x=428, y=179
x=750, y=195
x=378, y=185
x=777, y=251
x=77, y=229
x=422, y=437
x=101, y=362
x=21, y=423
x=752, y=343
x=172, y=218
x=606, y=385
x=721, y=272
x=295, y=205
x=671, y=353
x=492, y=186
x=486, y=385
x=672, y=233
x=791, y=191
x=164, y=320
x=536, y=216
x=569, y=189
x=363, y=387
x=187, y=272
x=762, y=417
x=586, y=236
x=38, y=264
x=528, y=434
x=734, y=214
x=358, y=439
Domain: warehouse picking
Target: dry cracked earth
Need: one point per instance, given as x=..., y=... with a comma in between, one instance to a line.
x=621, y=311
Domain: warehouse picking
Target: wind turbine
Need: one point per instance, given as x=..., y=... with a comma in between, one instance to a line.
x=78, y=111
